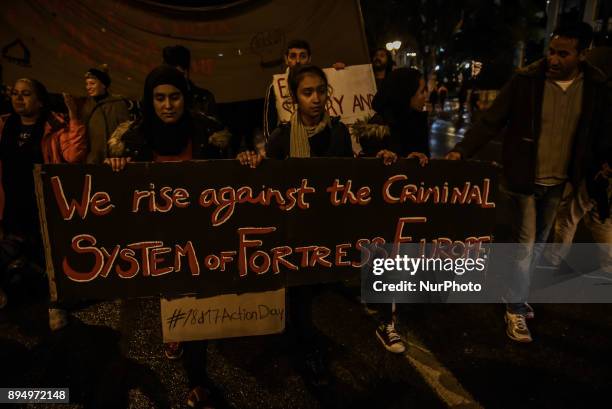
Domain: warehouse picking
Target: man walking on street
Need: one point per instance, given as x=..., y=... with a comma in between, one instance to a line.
x=549, y=114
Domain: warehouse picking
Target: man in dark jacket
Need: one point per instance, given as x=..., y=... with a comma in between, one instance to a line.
x=549, y=113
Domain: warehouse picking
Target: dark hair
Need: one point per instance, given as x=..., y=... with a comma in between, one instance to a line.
x=177, y=56
x=298, y=72
x=579, y=31
x=298, y=44
x=390, y=61
x=396, y=90
x=40, y=90
x=13, y=122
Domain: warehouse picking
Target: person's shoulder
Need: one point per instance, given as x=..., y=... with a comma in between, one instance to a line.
x=282, y=129
x=199, y=92
x=595, y=74
x=335, y=122
x=3, y=119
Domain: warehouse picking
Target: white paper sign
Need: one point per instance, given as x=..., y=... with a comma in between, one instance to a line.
x=352, y=91
x=224, y=316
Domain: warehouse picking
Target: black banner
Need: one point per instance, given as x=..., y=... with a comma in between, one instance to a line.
x=216, y=227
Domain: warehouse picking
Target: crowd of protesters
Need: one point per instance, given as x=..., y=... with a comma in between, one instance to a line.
x=555, y=117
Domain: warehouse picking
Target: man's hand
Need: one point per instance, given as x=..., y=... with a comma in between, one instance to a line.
x=250, y=158
x=388, y=157
x=339, y=66
x=423, y=159
x=453, y=156
x=71, y=105
x=117, y=164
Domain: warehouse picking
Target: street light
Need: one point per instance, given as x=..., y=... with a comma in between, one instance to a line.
x=394, y=46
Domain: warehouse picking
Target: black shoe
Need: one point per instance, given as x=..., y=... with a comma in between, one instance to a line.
x=389, y=338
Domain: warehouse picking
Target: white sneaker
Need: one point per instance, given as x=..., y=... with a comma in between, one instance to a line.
x=390, y=339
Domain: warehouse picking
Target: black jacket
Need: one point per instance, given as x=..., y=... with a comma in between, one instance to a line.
x=209, y=141
x=333, y=141
x=408, y=134
x=516, y=113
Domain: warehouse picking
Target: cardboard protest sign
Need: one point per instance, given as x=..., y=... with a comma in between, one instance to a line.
x=352, y=91
x=223, y=316
x=217, y=227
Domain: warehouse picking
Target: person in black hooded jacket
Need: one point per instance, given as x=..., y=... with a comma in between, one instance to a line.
x=169, y=131
x=400, y=126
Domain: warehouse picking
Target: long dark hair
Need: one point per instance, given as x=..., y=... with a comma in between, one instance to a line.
x=393, y=99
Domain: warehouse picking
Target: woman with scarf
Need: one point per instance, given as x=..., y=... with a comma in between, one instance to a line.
x=31, y=135
x=310, y=133
x=170, y=131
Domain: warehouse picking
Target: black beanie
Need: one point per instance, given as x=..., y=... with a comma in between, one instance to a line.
x=102, y=76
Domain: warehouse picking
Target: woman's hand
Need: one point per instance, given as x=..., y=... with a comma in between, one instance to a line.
x=388, y=157
x=250, y=158
x=423, y=159
x=117, y=164
x=71, y=105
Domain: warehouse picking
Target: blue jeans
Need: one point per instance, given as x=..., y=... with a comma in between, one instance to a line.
x=532, y=218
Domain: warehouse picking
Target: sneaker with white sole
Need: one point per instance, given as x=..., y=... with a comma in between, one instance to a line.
x=516, y=327
x=389, y=337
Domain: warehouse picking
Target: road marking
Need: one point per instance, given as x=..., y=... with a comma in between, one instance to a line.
x=440, y=379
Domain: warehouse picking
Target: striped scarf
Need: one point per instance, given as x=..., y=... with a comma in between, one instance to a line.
x=299, y=144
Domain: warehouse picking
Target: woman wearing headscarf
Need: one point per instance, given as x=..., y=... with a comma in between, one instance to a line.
x=101, y=113
x=170, y=131
x=310, y=133
x=31, y=135
x=400, y=126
